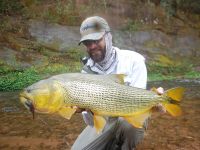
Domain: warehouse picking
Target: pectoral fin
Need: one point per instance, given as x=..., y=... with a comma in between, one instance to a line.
x=139, y=119
x=99, y=123
x=67, y=112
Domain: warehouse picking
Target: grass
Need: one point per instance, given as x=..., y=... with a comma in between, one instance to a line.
x=58, y=11
x=17, y=80
x=12, y=79
x=132, y=26
x=160, y=72
x=160, y=77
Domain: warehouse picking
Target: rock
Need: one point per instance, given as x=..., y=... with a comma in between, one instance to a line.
x=54, y=36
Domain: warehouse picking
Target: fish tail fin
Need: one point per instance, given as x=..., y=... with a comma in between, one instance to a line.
x=175, y=95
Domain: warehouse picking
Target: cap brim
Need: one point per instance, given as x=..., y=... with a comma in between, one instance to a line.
x=92, y=36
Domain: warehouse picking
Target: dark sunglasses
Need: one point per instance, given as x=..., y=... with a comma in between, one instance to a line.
x=90, y=42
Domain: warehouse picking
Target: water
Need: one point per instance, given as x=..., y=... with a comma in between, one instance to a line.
x=192, y=86
x=19, y=131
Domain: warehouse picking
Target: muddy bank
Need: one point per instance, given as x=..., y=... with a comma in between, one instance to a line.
x=49, y=132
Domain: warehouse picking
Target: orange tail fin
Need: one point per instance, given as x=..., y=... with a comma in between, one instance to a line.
x=176, y=95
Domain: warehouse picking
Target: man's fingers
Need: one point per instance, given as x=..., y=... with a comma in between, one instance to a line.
x=160, y=90
x=88, y=118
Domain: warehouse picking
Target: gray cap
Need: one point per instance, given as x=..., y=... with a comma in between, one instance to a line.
x=93, y=28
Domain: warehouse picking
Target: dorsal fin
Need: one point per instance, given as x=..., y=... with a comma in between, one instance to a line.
x=119, y=78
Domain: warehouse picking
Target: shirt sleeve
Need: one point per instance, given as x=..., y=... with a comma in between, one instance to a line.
x=138, y=77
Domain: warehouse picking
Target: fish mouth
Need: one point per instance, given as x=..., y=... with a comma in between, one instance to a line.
x=29, y=105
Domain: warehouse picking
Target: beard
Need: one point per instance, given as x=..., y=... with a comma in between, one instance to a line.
x=97, y=55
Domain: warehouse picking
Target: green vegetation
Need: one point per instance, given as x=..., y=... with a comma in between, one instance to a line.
x=16, y=79
x=132, y=26
x=58, y=11
x=15, y=13
x=157, y=71
x=20, y=79
x=10, y=7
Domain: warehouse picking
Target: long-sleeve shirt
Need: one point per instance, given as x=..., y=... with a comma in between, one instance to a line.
x=132, y=65
x=129, y=63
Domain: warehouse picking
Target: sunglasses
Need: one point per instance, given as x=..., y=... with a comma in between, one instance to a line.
x=90, y=42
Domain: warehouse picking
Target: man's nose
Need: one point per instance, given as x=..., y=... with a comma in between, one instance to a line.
x=91, y=46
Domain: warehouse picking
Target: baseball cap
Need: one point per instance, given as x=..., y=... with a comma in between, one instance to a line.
x=93, y=28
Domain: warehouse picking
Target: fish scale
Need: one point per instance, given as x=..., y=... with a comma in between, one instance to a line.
x=108, y=97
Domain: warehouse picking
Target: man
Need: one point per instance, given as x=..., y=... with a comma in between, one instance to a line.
x=104, y=58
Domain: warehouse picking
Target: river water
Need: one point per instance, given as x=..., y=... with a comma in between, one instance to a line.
x=20, y=132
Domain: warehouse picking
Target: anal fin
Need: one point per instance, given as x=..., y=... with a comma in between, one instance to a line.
x=99, y=122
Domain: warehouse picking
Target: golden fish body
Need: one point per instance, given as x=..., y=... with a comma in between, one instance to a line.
x=104, y=95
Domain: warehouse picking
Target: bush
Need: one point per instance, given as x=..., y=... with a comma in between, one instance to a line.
x=18, y=80
x=8, y=7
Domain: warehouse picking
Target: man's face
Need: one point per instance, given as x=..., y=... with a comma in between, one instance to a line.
x=96, y=49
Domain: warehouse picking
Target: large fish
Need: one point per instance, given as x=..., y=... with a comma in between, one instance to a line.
x=104, y=95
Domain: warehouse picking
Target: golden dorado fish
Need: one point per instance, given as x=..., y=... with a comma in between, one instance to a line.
x=104, y=95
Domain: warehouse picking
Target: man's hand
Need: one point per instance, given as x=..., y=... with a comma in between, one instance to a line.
x=159, y=107
x=88, y=118
x=160, y=91
x=87, y=115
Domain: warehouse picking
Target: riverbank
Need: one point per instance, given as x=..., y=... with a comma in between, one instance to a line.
x=38, y=39
x=17, y=79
